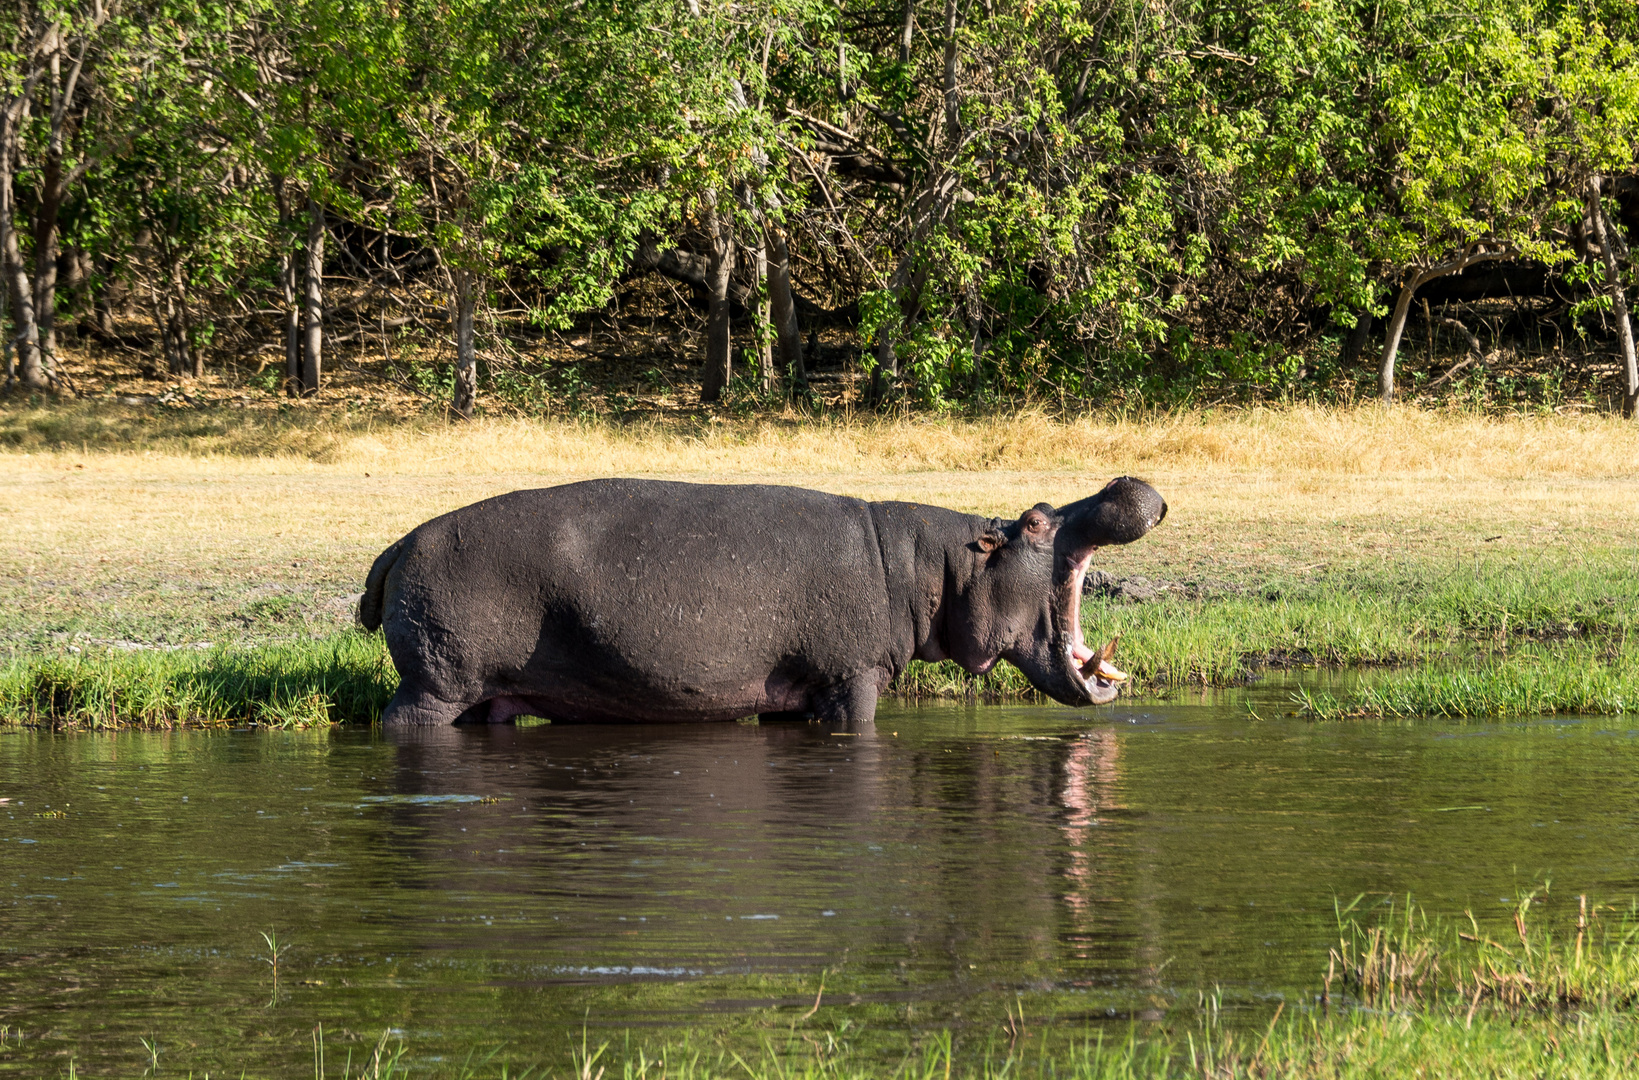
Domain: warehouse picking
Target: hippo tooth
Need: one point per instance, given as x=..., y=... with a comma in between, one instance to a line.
x=1101, y=667
x=1109, y=672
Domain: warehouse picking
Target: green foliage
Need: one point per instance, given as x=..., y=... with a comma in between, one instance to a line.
x=1077, y=199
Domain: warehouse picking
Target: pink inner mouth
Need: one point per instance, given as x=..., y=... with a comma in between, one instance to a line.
x=1093, y=665
x=1078, y=647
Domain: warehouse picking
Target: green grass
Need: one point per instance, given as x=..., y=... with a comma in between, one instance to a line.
x=346, y=677
x=1530, y=681
x=1394, y=614
x=341, y=678
x=1420, y=1046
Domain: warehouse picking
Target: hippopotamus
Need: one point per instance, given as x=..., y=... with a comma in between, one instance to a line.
x=650, y=600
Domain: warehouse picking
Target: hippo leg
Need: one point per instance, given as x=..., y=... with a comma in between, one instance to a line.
x=849, y=704
x=413, y=705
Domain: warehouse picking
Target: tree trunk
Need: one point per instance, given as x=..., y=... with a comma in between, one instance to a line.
x=5, y=336
x=55, y=183
x=1391, y=341
x=171, y=316
x=1471, y=255
x=193, y=360
x=159, y=309
x=885, y=376
x=46, y=213
x=174, y=334
x=287, y=287
x=886, y=372
x=102, y=303
x=1619, y=299
x=466, y=358
x=36, y=308
x=782, y=306
x=764, y=315
x=313, y=306
x=719, y=333
x=31, y=372
x=953, y=67
x=140, y=244
x=73, y=268
x=1355, y=344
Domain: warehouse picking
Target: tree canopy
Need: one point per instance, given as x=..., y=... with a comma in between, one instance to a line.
x=993, y=197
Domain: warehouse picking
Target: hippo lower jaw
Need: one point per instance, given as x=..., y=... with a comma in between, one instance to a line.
x=1100, y=679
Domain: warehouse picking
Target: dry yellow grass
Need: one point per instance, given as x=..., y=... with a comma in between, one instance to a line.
x=1360, y=442
x=104, y=513
x=1364, y=442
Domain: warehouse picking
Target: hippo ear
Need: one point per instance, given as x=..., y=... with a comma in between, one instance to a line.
x=990, y=540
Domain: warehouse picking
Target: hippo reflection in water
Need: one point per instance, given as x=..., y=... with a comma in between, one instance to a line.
x=629, y=600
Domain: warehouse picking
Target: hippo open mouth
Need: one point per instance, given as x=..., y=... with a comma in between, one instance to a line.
x=1094, y=668
x=1123, y=511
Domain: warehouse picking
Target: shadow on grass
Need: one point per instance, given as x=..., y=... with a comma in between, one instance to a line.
x=347, y=678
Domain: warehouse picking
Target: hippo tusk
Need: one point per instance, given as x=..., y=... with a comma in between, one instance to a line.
x=1101, y=667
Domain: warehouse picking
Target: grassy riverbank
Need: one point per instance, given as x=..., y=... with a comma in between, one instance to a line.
x=339, y=679
x=1533, y=680
x=1500, y=638
x=151, y=558
x=1505, y=637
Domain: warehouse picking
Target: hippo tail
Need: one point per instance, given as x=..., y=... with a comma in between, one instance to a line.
x=374, y=600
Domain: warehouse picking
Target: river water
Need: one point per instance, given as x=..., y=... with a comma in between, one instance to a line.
x=482, y=888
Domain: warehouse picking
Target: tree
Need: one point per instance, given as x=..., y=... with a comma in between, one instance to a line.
x=1589, y=65
x=1475, y=184
x=1004, y=198
x=62, y=61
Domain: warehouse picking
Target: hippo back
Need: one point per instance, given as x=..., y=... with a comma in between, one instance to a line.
x=640, y=599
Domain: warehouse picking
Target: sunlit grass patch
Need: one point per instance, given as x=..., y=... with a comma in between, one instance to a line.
x=347, y=677
x=1531, y=680
x=1451, y=617
x=947, y=679
x=1401, y=960
x=1402, y=995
